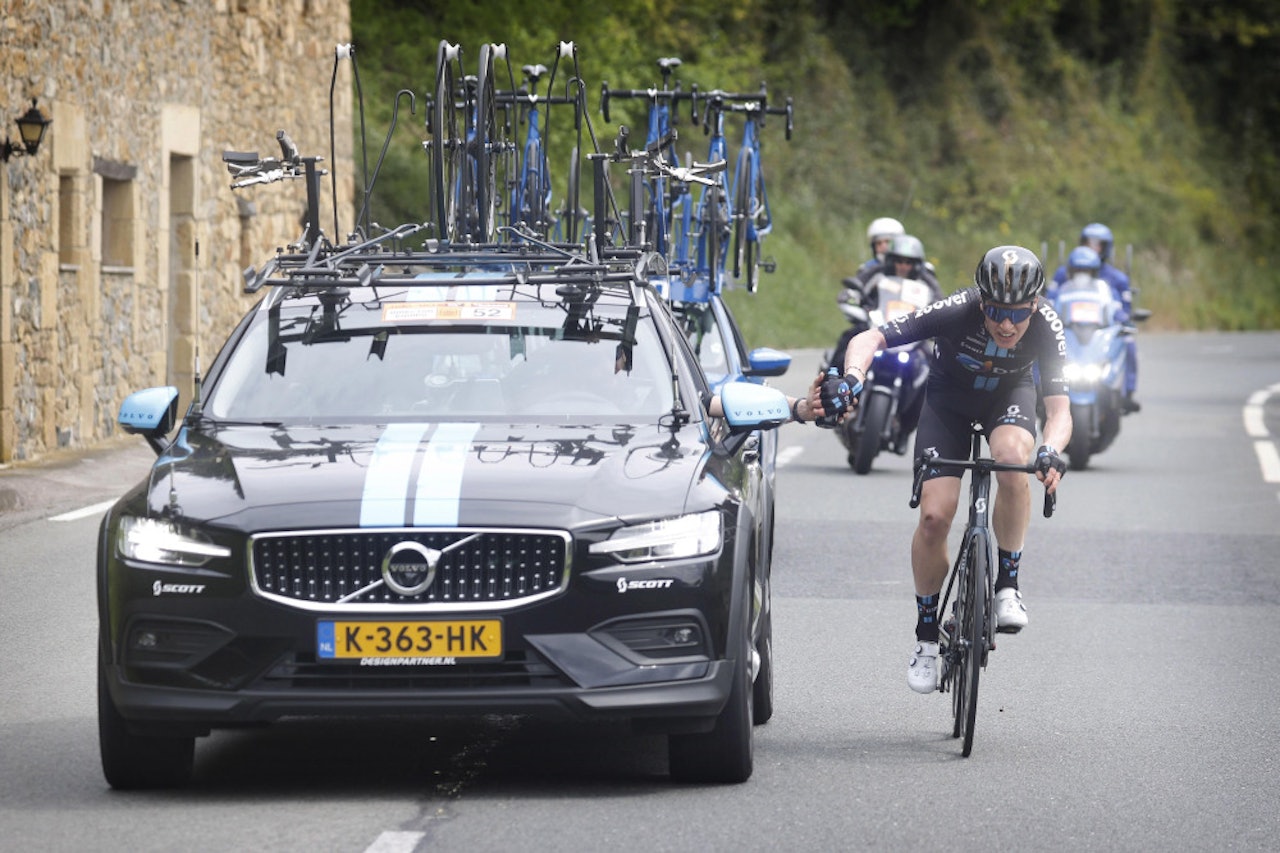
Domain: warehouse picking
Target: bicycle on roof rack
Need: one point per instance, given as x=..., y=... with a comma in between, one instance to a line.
x=661, y=209
x=752, y=218
x=530, y=190
x=467, y=145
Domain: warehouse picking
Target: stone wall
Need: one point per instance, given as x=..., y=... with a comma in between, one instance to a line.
x=121, y=242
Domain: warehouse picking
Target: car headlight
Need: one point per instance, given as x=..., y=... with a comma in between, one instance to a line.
x=669, y=539
x=154, y=540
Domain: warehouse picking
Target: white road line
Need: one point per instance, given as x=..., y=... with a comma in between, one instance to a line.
x=1256, y=428
x=1269, y=459
x=84, y=512
x=789, y=454
x=395, y=842
x=1253, y=424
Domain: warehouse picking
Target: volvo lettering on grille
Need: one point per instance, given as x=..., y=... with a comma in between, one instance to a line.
x=410, y=567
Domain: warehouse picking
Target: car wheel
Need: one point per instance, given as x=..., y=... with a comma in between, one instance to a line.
x=762, y=690
x=132, y=761
x=723, y=754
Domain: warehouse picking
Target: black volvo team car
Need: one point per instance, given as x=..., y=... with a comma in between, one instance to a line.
x=412, y=490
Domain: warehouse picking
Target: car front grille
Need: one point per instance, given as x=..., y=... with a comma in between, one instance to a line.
x=480, y=569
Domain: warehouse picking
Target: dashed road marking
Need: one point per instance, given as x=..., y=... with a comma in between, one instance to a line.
x=395, y=842
x=84, y=512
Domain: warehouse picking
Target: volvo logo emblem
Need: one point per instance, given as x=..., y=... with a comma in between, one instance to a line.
x=410, y=567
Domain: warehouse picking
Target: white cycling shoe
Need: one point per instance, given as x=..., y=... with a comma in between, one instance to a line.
x=922, y=670
x=1011, y=613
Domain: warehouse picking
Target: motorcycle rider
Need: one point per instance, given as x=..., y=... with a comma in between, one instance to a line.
x=903, y=258
x=1098, y=237
x=880, y=234
x=987, y=337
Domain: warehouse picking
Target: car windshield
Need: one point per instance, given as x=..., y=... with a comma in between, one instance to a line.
x=405, y=360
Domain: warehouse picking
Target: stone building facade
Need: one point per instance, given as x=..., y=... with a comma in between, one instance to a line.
x=122, y=244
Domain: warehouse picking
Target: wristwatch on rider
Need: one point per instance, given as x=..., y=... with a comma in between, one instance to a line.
x=795, y=411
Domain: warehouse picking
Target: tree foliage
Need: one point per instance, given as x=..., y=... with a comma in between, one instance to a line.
x=975, y=123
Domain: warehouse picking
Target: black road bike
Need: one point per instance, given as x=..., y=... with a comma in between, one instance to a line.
x=969, y=627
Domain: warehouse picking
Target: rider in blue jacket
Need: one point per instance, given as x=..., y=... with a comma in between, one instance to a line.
x=1098, y=237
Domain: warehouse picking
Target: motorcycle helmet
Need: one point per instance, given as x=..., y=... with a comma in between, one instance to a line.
x=882, y=228
x=1009, y=275
x=1084, y=259
x=905, y=248
x=1101, y=233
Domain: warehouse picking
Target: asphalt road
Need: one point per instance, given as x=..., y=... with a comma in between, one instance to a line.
x=1137, y=712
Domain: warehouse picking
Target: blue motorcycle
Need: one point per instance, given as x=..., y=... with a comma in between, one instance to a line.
x=1095, y=364
x=890, y=402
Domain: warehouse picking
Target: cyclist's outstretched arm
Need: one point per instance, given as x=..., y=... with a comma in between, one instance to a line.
x=1057, y=435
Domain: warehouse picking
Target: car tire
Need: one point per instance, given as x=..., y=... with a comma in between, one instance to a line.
x=724, y=754
x=762, y=690
x=131, y=761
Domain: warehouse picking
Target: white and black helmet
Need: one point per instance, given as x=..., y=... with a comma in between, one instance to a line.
x=882, y=228
x=1009, y=275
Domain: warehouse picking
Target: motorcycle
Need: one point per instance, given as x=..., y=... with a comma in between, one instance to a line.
x=1096, y=342
x=890, y=401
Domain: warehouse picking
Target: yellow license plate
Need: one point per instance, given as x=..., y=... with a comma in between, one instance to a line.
x=469, y=638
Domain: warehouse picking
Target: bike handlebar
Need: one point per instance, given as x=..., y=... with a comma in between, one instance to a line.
x=983, y=464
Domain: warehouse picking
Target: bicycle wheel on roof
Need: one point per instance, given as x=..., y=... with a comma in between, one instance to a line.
x=487, y=148
x=446, y=142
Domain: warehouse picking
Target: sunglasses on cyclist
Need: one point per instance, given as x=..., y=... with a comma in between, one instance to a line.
x=1000, y=313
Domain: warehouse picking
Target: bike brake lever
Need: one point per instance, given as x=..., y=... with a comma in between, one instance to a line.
x=1050, y=503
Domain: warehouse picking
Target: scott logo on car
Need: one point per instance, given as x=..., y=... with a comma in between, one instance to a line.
x=159, y=588
x=625, y=585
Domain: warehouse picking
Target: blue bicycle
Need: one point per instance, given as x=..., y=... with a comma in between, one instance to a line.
x=660, y=211
x=752, y=218
x=531, y=191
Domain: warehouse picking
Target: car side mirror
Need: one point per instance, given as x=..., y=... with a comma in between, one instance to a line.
x=766, y=361
x=150, y=413
x=749, y=407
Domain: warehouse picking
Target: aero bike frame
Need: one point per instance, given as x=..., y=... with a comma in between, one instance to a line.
x=713, y=206
x=969, y=615
x=660, y=212
x=752, y=218
x=531, y=191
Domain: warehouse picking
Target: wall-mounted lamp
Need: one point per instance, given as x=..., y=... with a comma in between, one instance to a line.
x=31, y=128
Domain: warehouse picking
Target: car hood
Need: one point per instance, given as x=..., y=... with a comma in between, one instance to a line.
x=427, y=474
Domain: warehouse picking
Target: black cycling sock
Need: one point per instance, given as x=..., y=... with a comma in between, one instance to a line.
x=1007, y=576
x=927, y=618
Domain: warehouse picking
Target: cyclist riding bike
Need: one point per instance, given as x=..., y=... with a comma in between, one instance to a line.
x=1098, y=237
x=988, y=337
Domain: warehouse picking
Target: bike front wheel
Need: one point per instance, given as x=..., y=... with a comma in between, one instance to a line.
x=972, y=614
